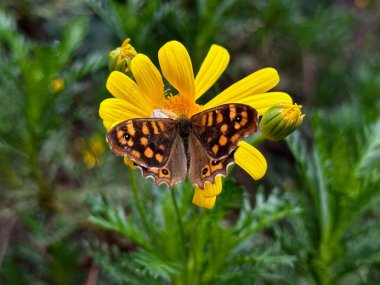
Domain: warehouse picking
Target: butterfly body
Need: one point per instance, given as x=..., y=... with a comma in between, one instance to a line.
x=166, y=149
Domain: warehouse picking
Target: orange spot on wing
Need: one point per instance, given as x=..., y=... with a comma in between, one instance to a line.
x=215, y=148
x=155, y=171
x=219, y=118
x=120, y=134
x=235, y=137
x=145, y=129
x=131, y=130
x=232, y=113
x=148, y=152
x=144, y=141
x=204, y=119
x=135, y=154
x=244, y=121
x=209, y=119
x=161, y=126
x=222, y=140
x=155, y=128
x=224, y=128
x=159, y=157
x=216, y=167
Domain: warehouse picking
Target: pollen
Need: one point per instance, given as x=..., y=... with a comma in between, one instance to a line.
x=182, y=105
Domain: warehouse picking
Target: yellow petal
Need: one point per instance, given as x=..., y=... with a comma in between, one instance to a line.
x=261, y=102
x=114, y=110
x=258, y=82
x=251, y=160
x=122, y=87
x=176, y=67
x=129, y=162
x=149, y=79
x=201, y=201
x=212, y=190
x=212, y=67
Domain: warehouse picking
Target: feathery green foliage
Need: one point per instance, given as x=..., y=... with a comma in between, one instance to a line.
x=196, y=246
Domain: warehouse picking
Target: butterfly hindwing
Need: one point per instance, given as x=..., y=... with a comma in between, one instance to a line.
x=147, y=142
x=221, y=128
x=175, y=168
x=202, y=166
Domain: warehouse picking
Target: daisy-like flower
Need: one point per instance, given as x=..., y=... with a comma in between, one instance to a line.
x=145, y=97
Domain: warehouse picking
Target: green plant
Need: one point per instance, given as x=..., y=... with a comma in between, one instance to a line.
x=335, y=237
x=176, y=243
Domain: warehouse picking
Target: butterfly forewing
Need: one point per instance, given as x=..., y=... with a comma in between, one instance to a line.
x=221, y=128
x=147, y=142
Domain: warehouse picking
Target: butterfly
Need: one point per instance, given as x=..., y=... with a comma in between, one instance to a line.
x=166, y=149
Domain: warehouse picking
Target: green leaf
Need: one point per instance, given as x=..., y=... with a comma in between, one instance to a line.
x=369, y=163
x=72, y=36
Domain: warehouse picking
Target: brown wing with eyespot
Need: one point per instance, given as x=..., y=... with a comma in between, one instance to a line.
x=202, y=166
x=147, y=142
x=175, y=168
x=221, y=128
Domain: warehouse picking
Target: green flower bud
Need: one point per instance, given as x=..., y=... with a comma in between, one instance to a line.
x=281, y=120
x=120, y=58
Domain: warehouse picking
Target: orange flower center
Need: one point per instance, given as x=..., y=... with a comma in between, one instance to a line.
x=182, y=105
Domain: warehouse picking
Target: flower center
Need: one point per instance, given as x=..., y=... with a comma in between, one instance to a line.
x=182, y=105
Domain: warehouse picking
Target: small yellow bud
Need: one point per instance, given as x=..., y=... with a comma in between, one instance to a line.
x=57, y=85
x=281, y=120
x=120, y=58
x=92, y=151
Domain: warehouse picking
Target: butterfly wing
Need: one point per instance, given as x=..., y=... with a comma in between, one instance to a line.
x=154, y=145
x=175, y=168
x=202, y=166
x=221, y=128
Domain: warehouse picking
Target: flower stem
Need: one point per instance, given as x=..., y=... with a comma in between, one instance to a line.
x=179, y=220
x=257, y=140
x=182, y=233
x=139, y=205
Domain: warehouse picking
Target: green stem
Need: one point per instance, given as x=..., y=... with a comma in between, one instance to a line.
x=182, y=233
x=257, y=140
x=45, y=190
x=179, y=220
x=140, y=207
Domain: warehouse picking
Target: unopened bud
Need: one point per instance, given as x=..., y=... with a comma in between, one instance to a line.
x=120, y=58
x=281, y=120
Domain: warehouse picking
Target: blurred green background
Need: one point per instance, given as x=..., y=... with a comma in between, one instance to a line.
x=73, y=213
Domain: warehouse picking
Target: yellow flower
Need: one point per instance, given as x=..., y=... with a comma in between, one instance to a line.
x=120, y=58
x=93, y=151
x=145, y=96
x=57, y=85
